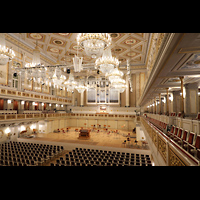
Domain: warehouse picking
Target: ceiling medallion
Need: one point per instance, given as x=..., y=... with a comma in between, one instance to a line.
x=58, y=42
x=54, y=50
x=76, y=47
x=36, y=36
x=63, y=34
x=130, y=41
x=114, y=35
x=94, y=43
x=131, y=54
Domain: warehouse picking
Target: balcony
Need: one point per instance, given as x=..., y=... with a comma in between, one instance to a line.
x=165, y=151
x=7, y=92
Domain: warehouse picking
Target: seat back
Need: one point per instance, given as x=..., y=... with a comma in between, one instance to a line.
x=172, y=129
x=179, y=114
x=180, y=132
x=176, y=131
x=197, y=142
x=191, y=137
x=185, y=135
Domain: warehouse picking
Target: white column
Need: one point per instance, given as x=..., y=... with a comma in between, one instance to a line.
x=127, y=92
x=82, y=98
x=137, y=88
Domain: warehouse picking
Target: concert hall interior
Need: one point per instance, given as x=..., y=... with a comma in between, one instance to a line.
x=99, y=99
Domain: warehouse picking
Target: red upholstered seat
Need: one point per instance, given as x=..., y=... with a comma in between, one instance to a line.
x=175, y=133
x=190, y=140
x=183, y=138
x=176, y=137
x=193, y=148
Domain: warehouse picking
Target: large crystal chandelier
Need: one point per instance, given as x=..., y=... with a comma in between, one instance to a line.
x=70, y=83
x=106, y=62
x=94, y=43
x=6, y=54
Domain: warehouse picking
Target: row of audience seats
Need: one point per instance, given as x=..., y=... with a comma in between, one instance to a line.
x=190, y=141
x=173, y=114
x=27, y=154
x=91, y=157
x=159, y=124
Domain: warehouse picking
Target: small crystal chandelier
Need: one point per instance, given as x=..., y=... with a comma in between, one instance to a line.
x=36, y=57
x=57, y=78
x=70, y=83
x=106, y=62
x=6, y=54
x=119, y=84
x=94, y=43
x=114, y=74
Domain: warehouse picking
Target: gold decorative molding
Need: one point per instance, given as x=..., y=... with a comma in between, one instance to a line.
x=174, y=160
x=162, y=148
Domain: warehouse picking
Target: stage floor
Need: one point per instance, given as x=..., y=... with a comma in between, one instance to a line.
x=100, y=139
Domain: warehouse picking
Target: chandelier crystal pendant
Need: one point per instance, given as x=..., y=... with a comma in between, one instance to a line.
x=94, y=43
x=106, y=62
x=6, y=54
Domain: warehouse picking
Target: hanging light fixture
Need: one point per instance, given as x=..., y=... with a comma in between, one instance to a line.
x=119, y=84
x=77, y=63
x=70, y=83
x=36, y=57
x=106, y=62
x=94, y=43
x=6, y=54
x=114, y=74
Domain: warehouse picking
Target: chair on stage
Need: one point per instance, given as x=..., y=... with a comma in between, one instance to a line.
x=124, y=143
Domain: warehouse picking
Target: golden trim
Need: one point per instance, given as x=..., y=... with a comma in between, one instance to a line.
x=174, y=159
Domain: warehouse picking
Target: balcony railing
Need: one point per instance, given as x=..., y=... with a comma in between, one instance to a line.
x=33, y=96
x=164, y=149
x=4, y=117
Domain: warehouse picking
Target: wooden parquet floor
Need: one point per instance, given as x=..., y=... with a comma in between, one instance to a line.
x=100, y=139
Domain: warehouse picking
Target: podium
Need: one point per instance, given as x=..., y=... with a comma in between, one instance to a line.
x=84, y=134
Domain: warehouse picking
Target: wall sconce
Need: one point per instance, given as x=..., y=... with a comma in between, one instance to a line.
x=7, y=130
x=22, y=102
x=9, y=101
x=164, y=100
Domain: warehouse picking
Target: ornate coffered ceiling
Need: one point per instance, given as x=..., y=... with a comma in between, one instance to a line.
x=63, y=46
